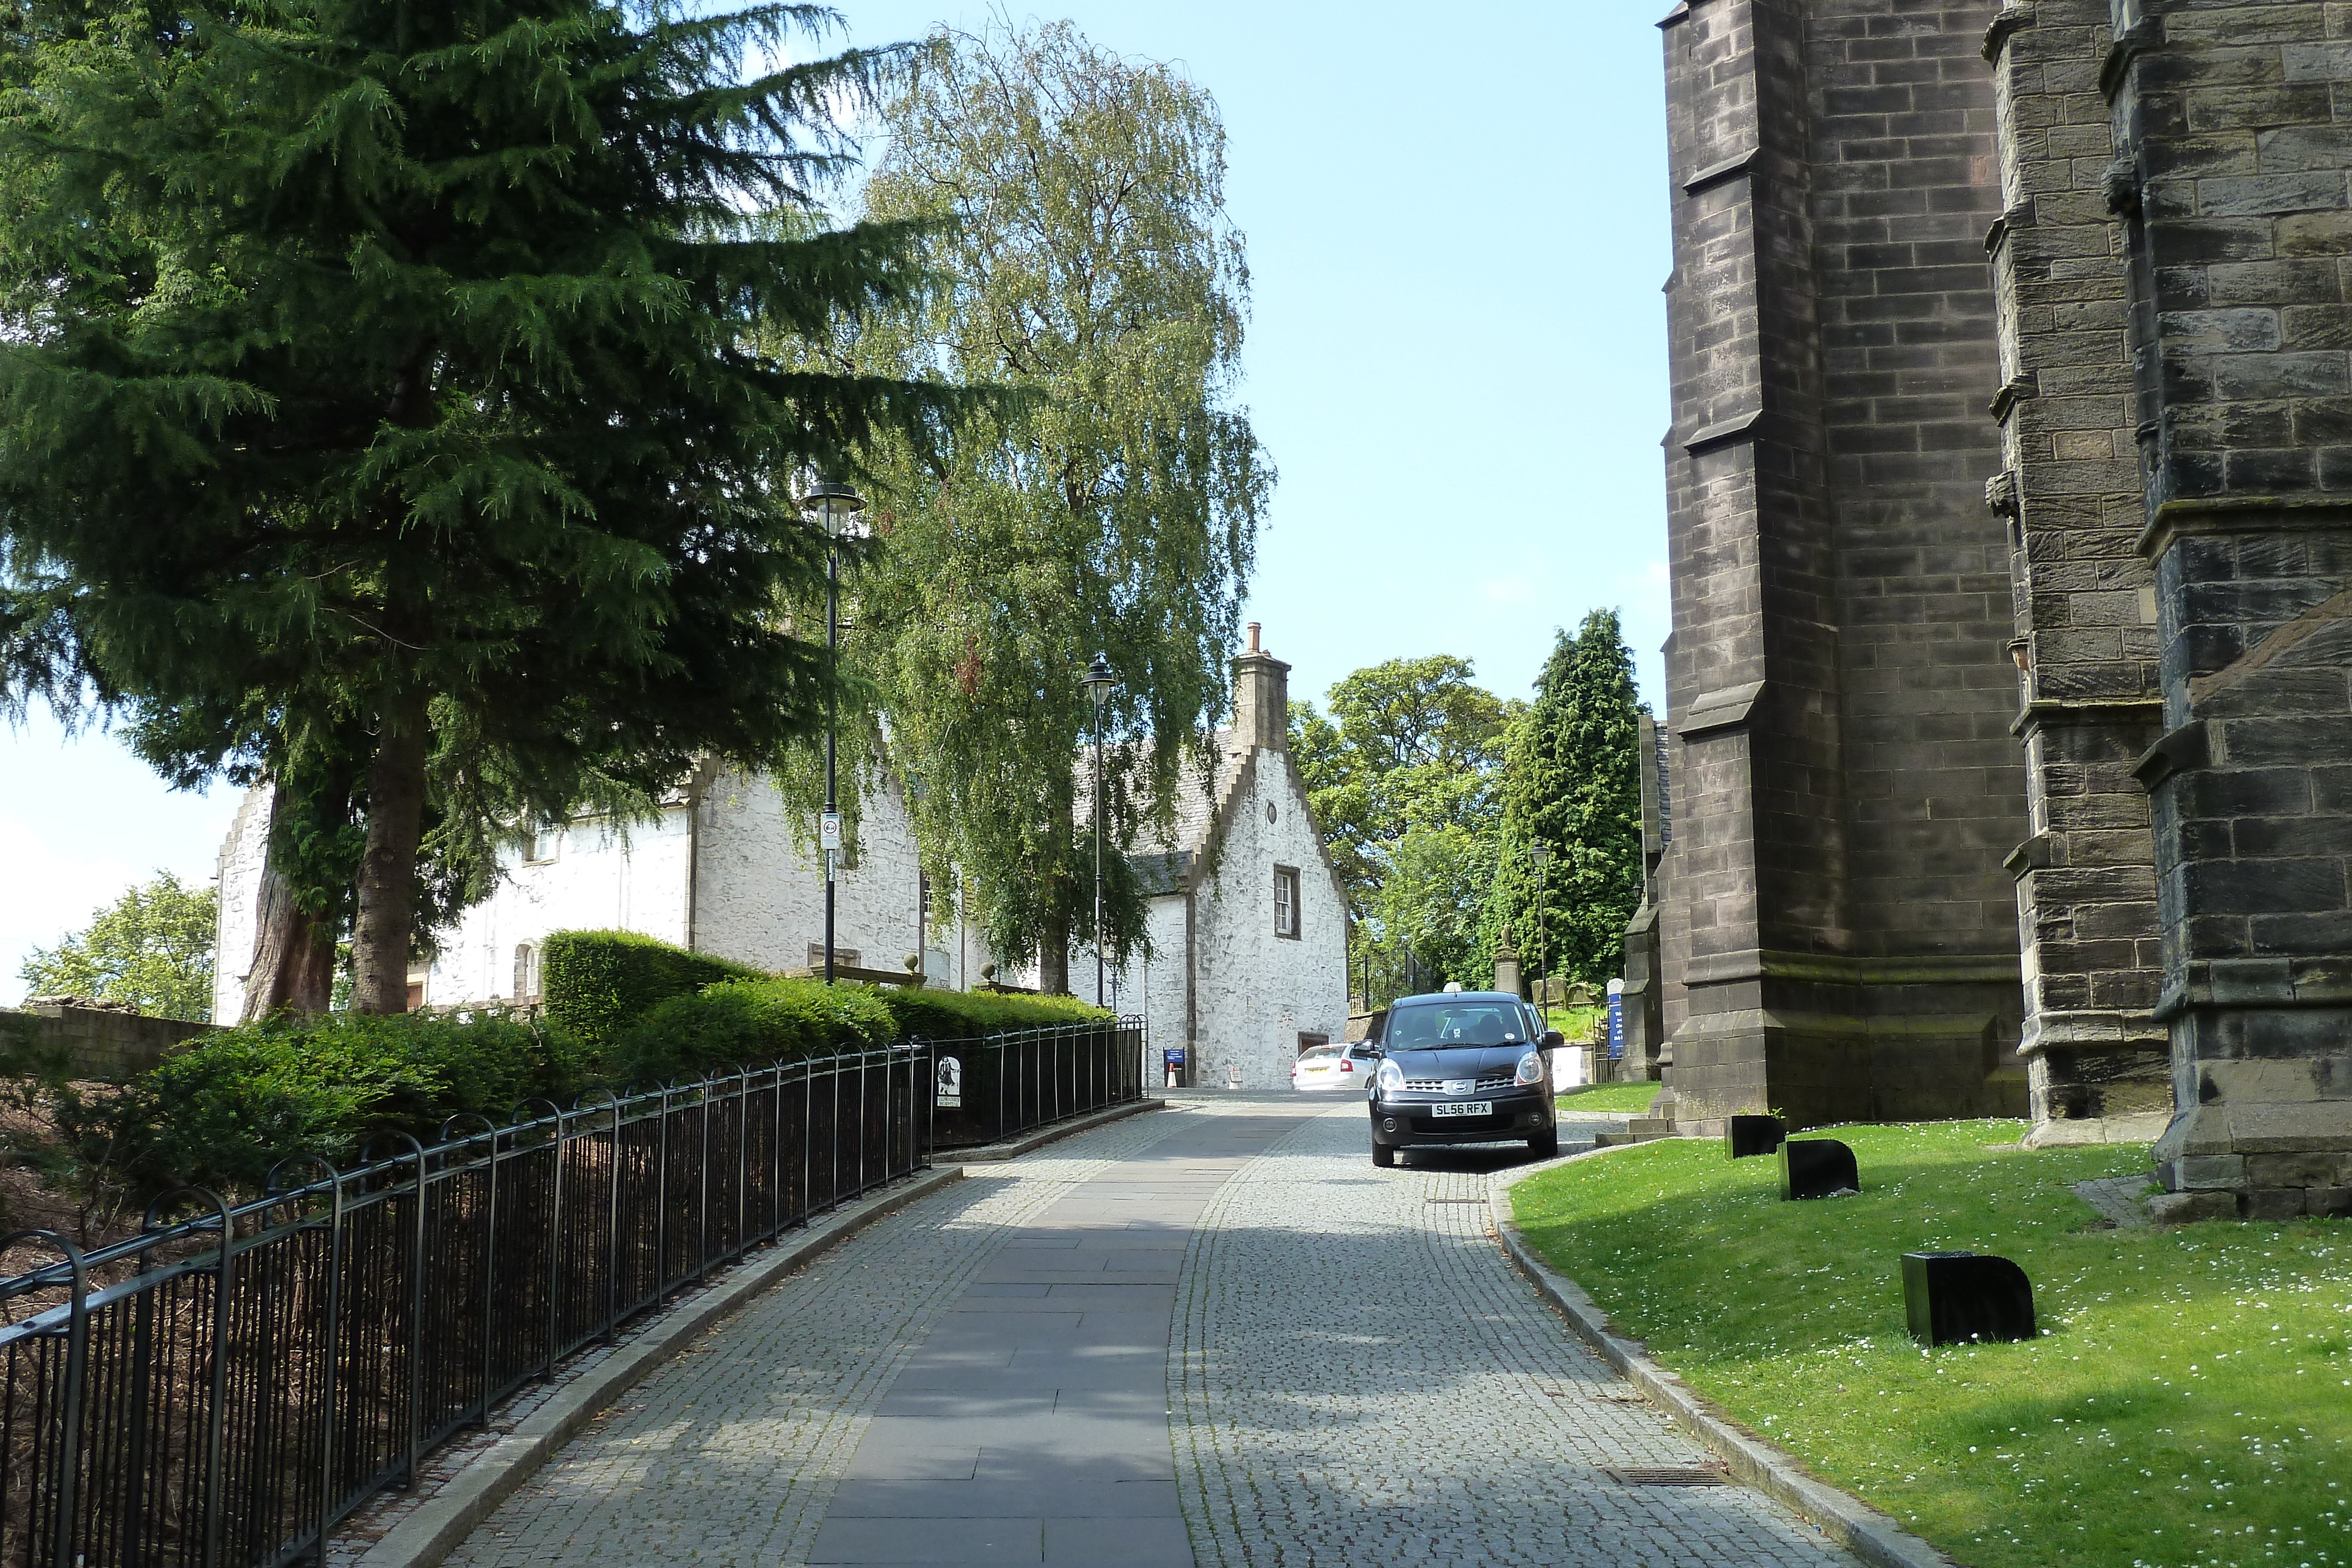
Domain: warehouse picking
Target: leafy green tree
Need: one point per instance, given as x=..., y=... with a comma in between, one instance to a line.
x=153, y=947
x=1111, y=504
x=1402, y=777
x=1571, y=782
x=399, y=383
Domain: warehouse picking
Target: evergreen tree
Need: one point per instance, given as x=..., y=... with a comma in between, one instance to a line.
x=153, y=947
x=1110, y=505
x=393, y=382
x=1573, y=783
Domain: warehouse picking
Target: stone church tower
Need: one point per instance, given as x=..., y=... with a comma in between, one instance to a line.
x=2012, y=424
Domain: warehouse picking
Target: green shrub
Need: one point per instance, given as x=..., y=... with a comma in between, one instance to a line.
x=224, y=1110
x=597, y=983
x=742, y=1023
x=924, y=1014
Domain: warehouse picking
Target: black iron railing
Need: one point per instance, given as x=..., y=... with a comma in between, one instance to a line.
x=991, y=1089
x=219, y=1390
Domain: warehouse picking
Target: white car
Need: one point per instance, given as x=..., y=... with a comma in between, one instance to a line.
x=1334, y=1067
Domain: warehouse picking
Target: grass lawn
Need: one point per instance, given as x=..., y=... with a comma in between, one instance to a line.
x=2189, y=1403
x=1609, y=1097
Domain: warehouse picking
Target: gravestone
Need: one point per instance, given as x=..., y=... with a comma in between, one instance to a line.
x=1744, y=1137
x=1817, y=1167
x=1951, y=1298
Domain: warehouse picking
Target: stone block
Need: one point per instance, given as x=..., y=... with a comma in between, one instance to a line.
x=2329, y=1202
x=2274, y=1205
x=2259, y=1082
x=2199, y=1172
x=2306, y=1169
x=2188, y=1207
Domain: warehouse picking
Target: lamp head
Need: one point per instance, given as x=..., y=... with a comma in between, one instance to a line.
x=831, y=500
x=1540, y=856
x=1099, y=682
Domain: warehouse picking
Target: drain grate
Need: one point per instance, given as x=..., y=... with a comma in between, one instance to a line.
x=1668, y=1476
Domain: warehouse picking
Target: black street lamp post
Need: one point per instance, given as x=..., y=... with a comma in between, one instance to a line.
x=836, y=505
x=1100, y=683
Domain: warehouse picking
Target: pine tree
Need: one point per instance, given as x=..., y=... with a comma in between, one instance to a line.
x=1571, y=782
x=400, y=376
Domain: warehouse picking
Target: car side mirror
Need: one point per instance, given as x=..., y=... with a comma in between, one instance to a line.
x=1551, y=1040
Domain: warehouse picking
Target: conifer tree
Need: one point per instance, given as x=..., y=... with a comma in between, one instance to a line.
x=398, y=376
x=1571, y=782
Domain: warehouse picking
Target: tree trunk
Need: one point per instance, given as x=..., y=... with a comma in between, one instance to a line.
x=385, y=926
x=293, y=952
x=1054, y=954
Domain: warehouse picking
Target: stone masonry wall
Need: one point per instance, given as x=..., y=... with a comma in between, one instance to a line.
x=1256, y=992
x=2235, y=124
x=97, y=1042
x=2083, y=599
x=1837, y=935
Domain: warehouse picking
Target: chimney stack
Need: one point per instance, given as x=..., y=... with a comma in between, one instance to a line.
x=1261, y=697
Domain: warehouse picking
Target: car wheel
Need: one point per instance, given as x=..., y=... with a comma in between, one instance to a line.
x=1546, y=1147
x=1383, y=1155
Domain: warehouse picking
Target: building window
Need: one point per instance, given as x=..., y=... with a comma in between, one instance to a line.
x=526, y=972
x=543, y=840
x=1286, y=901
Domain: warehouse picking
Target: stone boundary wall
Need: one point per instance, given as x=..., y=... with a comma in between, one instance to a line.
x=99, y=1043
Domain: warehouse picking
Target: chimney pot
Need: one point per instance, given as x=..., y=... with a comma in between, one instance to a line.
x=1253, y=635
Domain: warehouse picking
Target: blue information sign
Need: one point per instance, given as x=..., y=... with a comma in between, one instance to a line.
x=1173, y=1057
x=1616, y=1021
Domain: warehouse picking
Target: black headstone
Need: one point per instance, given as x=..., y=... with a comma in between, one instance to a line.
x=1954, y=1297
x=1817, y=1167
x=1746, y=1135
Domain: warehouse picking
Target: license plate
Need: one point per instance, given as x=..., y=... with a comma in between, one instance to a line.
x=1464, y=1108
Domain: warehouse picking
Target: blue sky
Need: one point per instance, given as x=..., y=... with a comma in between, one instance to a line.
x=1458, y=232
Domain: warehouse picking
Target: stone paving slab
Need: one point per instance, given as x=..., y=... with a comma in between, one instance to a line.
x=1357, y=1376
x=1212, y=1336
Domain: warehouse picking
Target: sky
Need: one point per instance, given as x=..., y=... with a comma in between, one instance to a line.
x=1457, y=230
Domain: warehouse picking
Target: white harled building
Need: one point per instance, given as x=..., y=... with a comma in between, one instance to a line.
x=1247, y=923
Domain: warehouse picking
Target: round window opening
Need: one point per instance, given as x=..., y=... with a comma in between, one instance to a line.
x=1269, y=811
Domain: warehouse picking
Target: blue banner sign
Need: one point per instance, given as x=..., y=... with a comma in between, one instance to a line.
x=1616, y=1021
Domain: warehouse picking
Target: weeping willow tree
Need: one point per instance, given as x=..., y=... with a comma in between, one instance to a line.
x=1111, y=504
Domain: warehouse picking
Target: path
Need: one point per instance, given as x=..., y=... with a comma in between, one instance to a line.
x=1212, y=1334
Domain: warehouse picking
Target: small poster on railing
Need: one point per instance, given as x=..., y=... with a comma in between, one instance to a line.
x=951, y=1082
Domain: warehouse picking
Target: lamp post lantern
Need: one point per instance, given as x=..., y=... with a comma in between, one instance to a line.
x=834, y=505
x=1542, y=858
x=1099, y=684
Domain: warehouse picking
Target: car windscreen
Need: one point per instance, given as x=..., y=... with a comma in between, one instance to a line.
x=1469, y=1023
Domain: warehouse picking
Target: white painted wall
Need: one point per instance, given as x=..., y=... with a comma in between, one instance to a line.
x=604, y=877
x=1257, y=991
x=242, y=856
x=761, y=893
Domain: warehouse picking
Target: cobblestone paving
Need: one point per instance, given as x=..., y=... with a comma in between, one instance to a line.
x=727, y=1457
x=1357, y=1376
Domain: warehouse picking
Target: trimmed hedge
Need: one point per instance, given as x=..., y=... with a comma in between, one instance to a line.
x=597, y=983
x=924, y=1014
x=622, y=1010
x=740, y=1023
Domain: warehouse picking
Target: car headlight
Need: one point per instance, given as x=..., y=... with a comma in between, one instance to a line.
x=1531, y=1068
x=1390, y=1076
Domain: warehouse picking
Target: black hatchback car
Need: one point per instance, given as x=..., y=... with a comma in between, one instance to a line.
x=1463, y=1067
